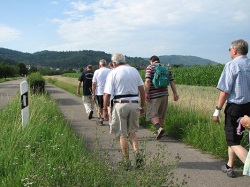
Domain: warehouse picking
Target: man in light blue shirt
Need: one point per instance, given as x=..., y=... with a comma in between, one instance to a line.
x=234, y=86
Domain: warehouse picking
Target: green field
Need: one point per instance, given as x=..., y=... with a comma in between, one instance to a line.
x=48, y=153
x=190, y=119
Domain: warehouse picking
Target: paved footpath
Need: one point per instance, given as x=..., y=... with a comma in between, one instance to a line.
x=8, y=90
x=203, y=170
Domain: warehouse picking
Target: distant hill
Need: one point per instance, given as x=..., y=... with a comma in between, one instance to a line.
x=79, y=59
x=64, y=59
x=184, y=60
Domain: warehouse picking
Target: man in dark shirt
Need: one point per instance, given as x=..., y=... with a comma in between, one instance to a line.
x=86, y=77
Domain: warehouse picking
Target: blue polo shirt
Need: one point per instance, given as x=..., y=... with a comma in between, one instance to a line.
x=235, y=80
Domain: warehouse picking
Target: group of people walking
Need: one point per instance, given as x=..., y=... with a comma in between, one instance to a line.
x=121, y=96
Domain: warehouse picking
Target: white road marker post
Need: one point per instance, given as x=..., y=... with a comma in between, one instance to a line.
x=24, y=103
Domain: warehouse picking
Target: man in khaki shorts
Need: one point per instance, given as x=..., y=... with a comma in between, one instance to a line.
x=125, y=85
x=157, y=98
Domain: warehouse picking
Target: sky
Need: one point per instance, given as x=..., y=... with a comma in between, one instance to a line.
x=135, y=28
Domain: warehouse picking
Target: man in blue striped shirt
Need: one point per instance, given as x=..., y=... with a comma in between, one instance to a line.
x=234, y=86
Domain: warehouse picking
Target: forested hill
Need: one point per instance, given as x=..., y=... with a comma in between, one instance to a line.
x=65, y=59
x=79, y=59
x=184, y=60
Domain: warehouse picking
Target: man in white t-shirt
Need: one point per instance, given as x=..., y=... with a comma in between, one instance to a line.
x=125, y=85
x=98, y=84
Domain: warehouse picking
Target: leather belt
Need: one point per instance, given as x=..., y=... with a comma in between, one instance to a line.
x=126, y=101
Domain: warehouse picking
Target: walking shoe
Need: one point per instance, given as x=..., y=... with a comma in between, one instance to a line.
x=90, y=114
x=159, y=133
x=229, y=171
x=100, y=122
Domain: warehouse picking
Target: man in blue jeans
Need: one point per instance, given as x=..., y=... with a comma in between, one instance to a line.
x=234, y=86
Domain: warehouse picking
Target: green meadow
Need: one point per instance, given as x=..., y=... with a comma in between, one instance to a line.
x=47, y=153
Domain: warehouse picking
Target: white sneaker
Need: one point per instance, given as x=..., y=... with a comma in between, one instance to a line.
x=159, y=133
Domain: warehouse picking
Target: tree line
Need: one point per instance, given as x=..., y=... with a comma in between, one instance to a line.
x=10, y=68
x=65, y=59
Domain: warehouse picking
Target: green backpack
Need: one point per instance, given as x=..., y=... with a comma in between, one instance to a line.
x=161, y=76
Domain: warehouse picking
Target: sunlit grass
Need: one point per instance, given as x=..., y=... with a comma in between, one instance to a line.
x=66, y=83
x=47, y=153
x=189, y=119
x=71, y=75
x=9, y=79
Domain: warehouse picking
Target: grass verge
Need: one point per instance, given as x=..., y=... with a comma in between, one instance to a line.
x=47, y=153
x=188, y=120
x=9, y=79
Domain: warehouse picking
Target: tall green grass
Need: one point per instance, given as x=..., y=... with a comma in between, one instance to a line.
x=69, y=87
x=190, y=120
x=47, y=153
x=195, y=75
x=9, y=79
x=72, y=75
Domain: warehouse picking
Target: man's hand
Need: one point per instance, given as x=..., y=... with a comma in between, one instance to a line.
x=176, y=97
x=216, y=119
x=142, y=111
x=216, y=114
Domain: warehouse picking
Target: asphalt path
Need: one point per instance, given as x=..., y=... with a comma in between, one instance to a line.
x=8, y=90
x=201, y=169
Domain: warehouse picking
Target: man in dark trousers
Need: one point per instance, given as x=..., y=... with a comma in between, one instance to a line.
x=86, y=77
x=234, y=86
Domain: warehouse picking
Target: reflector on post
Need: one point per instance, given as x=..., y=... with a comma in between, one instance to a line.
x=24, y=103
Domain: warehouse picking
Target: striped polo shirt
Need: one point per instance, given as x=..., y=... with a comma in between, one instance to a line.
x=153, y=91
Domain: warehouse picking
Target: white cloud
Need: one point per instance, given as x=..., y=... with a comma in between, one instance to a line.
x=240, y=16
x=8, y=33
x=81, y=6
x=142, y=27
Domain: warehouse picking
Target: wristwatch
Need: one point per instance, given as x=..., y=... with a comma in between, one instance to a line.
x=218, y=108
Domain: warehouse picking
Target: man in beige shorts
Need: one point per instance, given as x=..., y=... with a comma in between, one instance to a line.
x=127, y=106
x=157, y=98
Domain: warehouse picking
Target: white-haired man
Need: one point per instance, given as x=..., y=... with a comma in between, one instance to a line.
x=98, y=84
x=125, y=85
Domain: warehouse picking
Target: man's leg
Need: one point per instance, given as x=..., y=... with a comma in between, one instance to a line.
x=139, y=161
x=231, y=157
x=100, y=109
x=161, y=121
x=156, y=122
x=124, y=146
x=134, y=142
x=159, y=127
x=87, y=105
x=238, y=150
